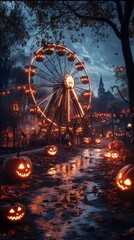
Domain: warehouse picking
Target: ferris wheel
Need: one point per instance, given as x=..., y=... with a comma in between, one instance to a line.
x=62, y=87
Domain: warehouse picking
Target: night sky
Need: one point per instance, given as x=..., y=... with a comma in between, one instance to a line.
x=100, y=59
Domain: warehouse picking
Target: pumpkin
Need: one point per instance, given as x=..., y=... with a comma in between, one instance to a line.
x=112, y=154
x=97, y=140
x=87, y=140
x=51, y=150
x=17, y=167
x=116, y=144
x=12, y=213
x=125, y=178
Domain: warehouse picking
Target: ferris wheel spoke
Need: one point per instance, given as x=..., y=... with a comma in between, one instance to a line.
x=69, y=68
x=53, y=73
x=75, y=99
x=44, y=86
x=52, y=97
x=50, y=77
x=52, y=62
x=74, y=72
x=53, y=106
x=46, y=79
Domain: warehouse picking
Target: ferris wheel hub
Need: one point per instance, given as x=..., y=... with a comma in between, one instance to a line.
x=69, y=81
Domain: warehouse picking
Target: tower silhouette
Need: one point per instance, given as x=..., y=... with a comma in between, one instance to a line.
x=101, y=89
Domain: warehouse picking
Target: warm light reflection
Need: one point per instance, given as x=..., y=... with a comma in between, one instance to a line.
x=67, y=170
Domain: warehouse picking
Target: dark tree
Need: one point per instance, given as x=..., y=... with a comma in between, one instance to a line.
x=12, y=36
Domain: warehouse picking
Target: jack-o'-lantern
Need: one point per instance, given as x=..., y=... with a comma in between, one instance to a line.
x=97, y=140
x=125, y=178
x=17, y=168
x=51, y=150
x=107, y=155
x=87, y=140
x=13, y=213
x=113, y=154
x=116, y=144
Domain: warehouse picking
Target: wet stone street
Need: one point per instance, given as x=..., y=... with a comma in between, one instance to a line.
x=71, y=197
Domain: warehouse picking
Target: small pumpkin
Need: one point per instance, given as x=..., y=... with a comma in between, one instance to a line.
x=51, y=150
x=97, y=140
x=12, y=213
x=87, y=140
x=116, y=144
x=125, y=178
x=17, y=167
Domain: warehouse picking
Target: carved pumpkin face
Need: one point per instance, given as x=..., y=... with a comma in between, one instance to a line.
x=116, y=144
x=87, y=140
x=125, y=178
x=51, y=150
x=24, y=170
x=113, y=154
x=14, y=213
x=17, y=167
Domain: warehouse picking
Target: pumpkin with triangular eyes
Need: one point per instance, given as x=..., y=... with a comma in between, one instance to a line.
x=51, y=150
x=17, y=168
x=125, y=178
x=12, y=213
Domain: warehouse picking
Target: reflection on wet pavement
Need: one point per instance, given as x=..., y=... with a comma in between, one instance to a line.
x=61, y=209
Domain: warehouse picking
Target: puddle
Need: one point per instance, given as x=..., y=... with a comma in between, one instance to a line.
x=66, y=206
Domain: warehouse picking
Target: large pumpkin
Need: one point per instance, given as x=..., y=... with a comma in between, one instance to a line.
x=17, y=168
x=116, y=144
x=51, y=150
x=12, y=213
x=125, y=178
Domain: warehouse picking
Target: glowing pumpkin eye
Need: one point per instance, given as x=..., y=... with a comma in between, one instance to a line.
x=19, y=208
x=28, y=165
x=127, y=182
x=12, y=210
x=120, y=175
x=21, y=166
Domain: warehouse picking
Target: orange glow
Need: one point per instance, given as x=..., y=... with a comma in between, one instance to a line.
x=84, y=79
x=79, y=66
x=87, y=93
x=69, y=81
x=114, y=155
x=39, y=56
x=97, y=140
x=127, y=182
x=60, y=50
x=70, y=57
x=21, y=166
x=11, y=210
x=107, y=155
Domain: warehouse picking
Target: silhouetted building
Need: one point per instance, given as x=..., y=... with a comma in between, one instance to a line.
x=105, y=99
x=102, y=95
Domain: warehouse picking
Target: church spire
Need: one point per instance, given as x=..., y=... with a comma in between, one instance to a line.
x=101, y=90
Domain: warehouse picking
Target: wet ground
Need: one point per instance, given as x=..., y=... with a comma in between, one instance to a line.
x=70, y=197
